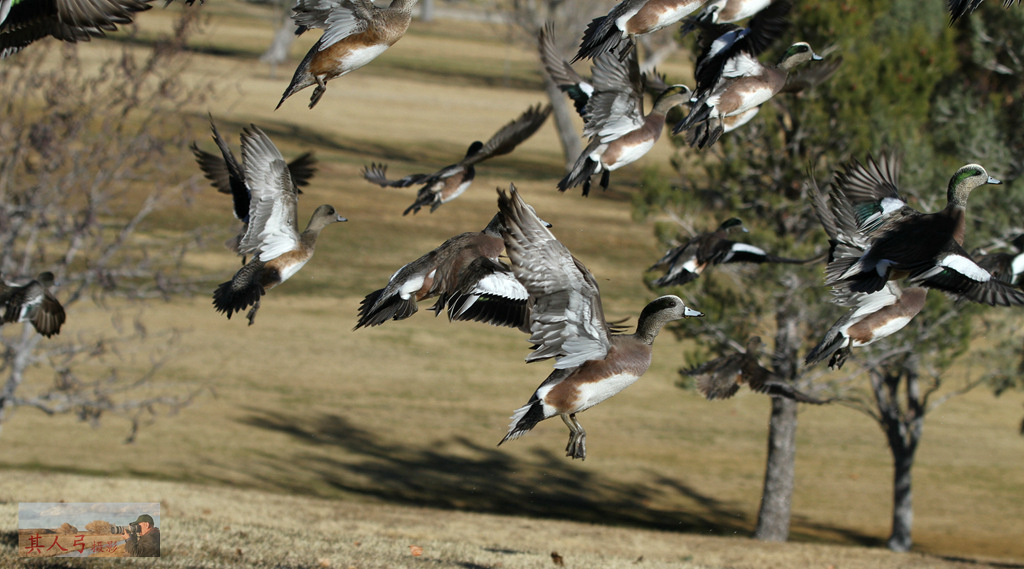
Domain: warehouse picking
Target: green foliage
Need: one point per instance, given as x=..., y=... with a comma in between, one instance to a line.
x=938, y=96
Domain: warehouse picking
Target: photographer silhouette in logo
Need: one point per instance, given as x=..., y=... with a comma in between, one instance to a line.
x=141, y=538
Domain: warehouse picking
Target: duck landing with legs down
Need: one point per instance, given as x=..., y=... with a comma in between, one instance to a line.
x=567, y=323
x=278, y=249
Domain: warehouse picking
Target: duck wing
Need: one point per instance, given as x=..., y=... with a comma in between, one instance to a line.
x=567, y=321
x=510, y=135
x=957, y=273
x=338, y=18
x=377, y=174
x=273, y=223
x=69, y=20
x=562, y=74
x=616, y=108
x=302, y=168
x=722, y=42
x=49, y=316
x=719, y=378
x=225, y=173
x=872, y=190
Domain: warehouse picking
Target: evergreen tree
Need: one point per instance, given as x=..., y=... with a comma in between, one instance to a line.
x=938, y=96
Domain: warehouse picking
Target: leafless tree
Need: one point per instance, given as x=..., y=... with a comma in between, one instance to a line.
x=83, y=167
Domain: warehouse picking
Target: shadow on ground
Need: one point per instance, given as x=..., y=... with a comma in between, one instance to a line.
x=460, y=474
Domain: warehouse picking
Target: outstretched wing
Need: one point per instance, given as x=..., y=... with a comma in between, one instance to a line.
x=567, y=322
x=273, y=225
x=510, y=135
x=377, y=174
x=338, y=18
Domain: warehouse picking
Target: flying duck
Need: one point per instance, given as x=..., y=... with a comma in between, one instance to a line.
x=873, y=315
x=612, y=104
x=722, y=12
x=272, y=238
x=745, y=84
x=686, y=262
x=567, y=323
x=923, y=249
x=630, y=18
x=722, y=377
x=722, y=42
x=355, y=33
x=1007, y=267
x=32, y=302
x=465, y=274
x=25, y=21
x=451, y=181
x=225, y=174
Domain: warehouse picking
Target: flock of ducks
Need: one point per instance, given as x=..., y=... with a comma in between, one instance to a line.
x=883, y=255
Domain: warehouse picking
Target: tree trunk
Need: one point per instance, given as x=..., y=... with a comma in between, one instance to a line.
x=902, y=501
x=277, y=52
x=563, y=114
x=17, y=359
x=780, y=467
x=903, y=431
x=777, y=495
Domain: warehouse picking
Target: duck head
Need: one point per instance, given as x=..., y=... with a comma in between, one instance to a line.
x=798, y=53
x=966, y=179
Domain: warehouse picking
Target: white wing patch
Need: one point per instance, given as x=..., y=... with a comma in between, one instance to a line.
x=504, y=285
x=744, y=248
x=742, y=65
x=1017, y=266
x=965, y=267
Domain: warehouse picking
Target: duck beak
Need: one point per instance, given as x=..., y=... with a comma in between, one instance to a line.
x=689, y=312
x=992, y=180
x=816, y=57
x=339, y=218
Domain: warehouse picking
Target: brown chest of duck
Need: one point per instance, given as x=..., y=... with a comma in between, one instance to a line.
x=272, y=238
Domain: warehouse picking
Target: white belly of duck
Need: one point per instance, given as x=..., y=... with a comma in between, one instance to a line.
x=290, y=269
x=616, y=156
x=731, y=103
x=657, y=14
x=889, y=328
x=447, y=196
x=360, y=56
x=589, y=394
x=593, y=393
x=747, y=9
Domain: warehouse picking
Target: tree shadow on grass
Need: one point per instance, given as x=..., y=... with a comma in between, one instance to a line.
x=461, y=474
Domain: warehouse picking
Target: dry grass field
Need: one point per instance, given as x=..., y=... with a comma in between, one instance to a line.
x=358, y=445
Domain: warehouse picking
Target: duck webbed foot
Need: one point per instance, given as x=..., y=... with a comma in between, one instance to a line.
x=577, y=447
x=251, y=316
